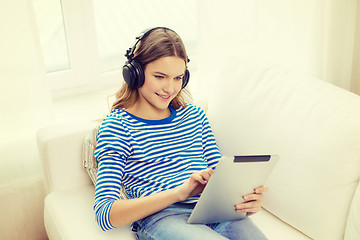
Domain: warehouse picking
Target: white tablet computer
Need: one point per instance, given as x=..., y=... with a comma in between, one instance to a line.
x=232, y=179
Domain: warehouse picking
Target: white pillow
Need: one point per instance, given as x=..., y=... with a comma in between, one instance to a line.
x=89, y=162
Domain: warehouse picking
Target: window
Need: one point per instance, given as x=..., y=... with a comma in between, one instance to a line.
x=84, y=42
x=52, y=34
x=119, y=22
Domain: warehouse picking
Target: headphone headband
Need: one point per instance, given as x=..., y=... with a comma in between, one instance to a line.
x=133, y=72
x=130, y=52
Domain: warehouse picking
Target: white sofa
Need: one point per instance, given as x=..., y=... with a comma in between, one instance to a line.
x=254, y=109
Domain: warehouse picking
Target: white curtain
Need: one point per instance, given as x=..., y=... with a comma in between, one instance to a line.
x=355, y=79
x=25, y=105
x=312, y=37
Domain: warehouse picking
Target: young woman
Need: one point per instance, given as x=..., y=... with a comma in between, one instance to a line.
x=161, y=149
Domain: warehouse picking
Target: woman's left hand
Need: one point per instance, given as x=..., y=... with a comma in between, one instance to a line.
x=253, y=201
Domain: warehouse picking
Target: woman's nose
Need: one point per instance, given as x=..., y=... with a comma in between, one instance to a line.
x=169, y=86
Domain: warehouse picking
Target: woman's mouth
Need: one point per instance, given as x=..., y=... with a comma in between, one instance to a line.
x=164, y=97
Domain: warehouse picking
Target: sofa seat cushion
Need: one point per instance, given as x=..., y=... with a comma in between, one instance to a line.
x=69, y=215
x=274, y=228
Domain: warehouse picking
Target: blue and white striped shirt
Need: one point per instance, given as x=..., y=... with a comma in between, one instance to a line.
x=150, y=156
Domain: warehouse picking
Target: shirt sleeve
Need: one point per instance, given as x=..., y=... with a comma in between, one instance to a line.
x=210, y=149
x=112, y=150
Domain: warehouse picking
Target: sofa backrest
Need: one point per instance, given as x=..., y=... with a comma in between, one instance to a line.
x=312, y=125
x=60, y=149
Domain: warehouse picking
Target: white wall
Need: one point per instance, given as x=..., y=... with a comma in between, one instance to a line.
x=311, y=37
x=25, y=106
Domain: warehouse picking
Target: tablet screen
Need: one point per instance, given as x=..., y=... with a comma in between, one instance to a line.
x=254, y=158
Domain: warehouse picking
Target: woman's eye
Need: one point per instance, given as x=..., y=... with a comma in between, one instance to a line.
x=159, y=76
x=178, y=78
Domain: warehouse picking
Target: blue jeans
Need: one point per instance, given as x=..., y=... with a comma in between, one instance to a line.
x=171, y=224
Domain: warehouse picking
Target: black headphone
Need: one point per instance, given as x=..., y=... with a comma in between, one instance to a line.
x=133, y=72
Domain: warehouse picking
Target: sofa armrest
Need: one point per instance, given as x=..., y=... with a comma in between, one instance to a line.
x=352, y=230
x=69, y=215
x=60, y=147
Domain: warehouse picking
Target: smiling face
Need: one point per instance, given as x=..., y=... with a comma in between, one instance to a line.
x=163, y=80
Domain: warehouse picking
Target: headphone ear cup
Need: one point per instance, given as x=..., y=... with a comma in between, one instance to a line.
x=139, y=73
x=185, y=79
x=128, y=75
x=133, y=74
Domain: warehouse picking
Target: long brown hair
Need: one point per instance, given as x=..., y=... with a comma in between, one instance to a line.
x=160, y=42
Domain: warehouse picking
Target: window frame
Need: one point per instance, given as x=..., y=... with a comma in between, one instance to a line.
x=84, y=70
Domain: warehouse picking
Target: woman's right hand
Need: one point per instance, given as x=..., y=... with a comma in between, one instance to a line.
x=195, y=184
